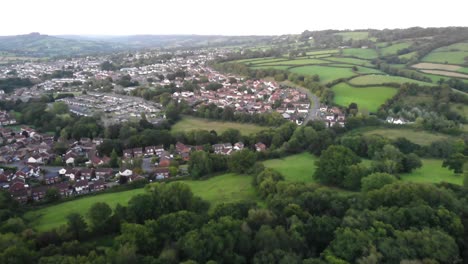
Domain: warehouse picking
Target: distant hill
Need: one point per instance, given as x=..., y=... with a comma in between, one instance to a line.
x=37, y=45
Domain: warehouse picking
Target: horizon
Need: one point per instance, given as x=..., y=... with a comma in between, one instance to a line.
x=229, y=18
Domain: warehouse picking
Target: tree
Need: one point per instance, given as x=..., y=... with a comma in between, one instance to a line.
x=377, y=181
x=455, y=162
x=200, y=164
x=52, y=195
x=114, y=159
x=76, y=226
x=99, y=214
x=410, y=162
x=242, y=161
x=333, y=165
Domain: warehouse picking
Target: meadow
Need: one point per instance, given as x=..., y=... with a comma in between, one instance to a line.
x=270, y=67
x=224, y=188
x=194, y=123
x=352, y=61
x=294, y=62
x=321, y=52
x=436, y=66
x=422, y=138
x=447, y=73
x=327, y=74
x=295, y=168
x=369, y=98
x=432, y=172
x=361, y=53
x=355, y=35
x=381, y=79
x=450, y=57
x=393, y=49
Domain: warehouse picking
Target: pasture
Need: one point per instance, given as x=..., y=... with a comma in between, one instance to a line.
x=276, y=67
x=193, y=123
x=422, y=138
x=393, y=49
x=322, y=52
x=295, y=168
x=295, y=62
x=436, y=66
x=381, y=79
x=327, y=74
x=361, y=53
x=450, y=57
x=432, y=172
x=369, y=98
x=447, y=73
x=352, y=61
x=224, y=188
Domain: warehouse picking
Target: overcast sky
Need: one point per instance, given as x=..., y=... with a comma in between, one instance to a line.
x=222, y=17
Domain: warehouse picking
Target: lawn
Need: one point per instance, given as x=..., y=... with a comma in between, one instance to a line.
x=432, y=172
x=327, y=74
x=193, y=123
x=370, y=98
x=422, y=138
x=381, y=79
x=224, y=188
x=295, y=168
x=360, y=53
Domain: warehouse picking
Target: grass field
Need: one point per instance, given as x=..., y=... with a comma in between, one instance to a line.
x=370, y=98
x=295, y=62
x=270, y=67
x=436, y=66
x=408, y=55
x=462, y=46
x=422, y=138
x=193, y=123
x=460, y=108
x=320, y=52
x=365, y=70
x=256, y=62
x=357, y=35
x=393, y=49
x=353, y=61
x=360, y=53
x=432, y=172
x=327, y=74
x=381, y=79
x=295, y=168
x=450, y=57
x=219, y=189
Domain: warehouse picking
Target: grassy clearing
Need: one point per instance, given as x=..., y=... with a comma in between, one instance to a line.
x=193, y=123
x=295, y=168
x=270, y=67
x=422, y=138
x=225, y=188
x=408, y=55
x=432, y=172
x=257, y=62
x=393, y=49
x=447, y=73
x=381, y=79
x=370, y=98
x=460, y=108
x=450, y=57
x=462, y=46
x=436, y=66
x=353, y=61
x=252, y=60
x=357, y=35
x=327, y=74
x=463, y=70
x=360, y=53
x=321, y=52
x=365, y=70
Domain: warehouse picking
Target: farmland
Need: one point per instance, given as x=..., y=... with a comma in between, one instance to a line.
x=352, y=61
x=295, y=168
x=224, y=188
x=450, y=57
x=422, y=138
x=370, y=98
x=436, y=66
x=360, y=53
x=393, y=49
x=193, y=123
x=381, y=79
x=327, y=74
x=447, y=73
x=295, y=62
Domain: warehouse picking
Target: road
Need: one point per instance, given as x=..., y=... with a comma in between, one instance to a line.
x=314, y=110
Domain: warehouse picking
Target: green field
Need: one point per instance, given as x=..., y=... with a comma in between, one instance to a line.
x=327, y=74
x=381, y=79
x=360, y=53
x=393, y=49
x=193, y=123
x=320, y=52
x=451, y=57
x=357, y=35
x=365, y=70
x=432, y=172
x=462, y=109
x=408, y=55
x=295, y=62
x=257, y=62
x=352, y=61
x=370, y=98
x=270, y=67
x=295, y=168
x=422, y=138
x=219, y=189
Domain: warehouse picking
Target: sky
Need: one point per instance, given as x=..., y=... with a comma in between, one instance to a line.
x=222, y=17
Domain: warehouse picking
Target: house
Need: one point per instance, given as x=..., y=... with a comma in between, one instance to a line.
x=126, y=173
x=161, y=173
x=260, y=147
x=238, y=146
x=128, y=153
x=97, y=186
x=158, y=150
x=35, y=159
x=38, y=193
x=87, y=173
x=103, y=173
x=81, y=187
x=164, y=162
x=51, y=178
x=222, y=148
x=20, y=195
x=135, y=178
x=64, y=189
x=137, y=152
x=150, y=151
x=73, y=174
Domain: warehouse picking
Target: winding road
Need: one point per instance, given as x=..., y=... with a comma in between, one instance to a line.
x=314, y=111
